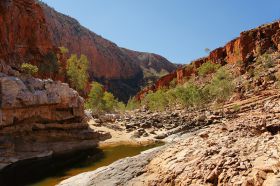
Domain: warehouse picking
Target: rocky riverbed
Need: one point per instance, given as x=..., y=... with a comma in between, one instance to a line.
x=239, y=148
x=142, y=126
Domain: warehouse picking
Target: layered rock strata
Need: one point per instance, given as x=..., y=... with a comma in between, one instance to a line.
x=41, y=118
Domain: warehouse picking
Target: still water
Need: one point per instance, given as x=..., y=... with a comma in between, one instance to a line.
x=108, y=156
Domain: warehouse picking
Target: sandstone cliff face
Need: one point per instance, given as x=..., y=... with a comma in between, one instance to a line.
x=32, y=32
x=107, y=59
x=40, y=118
x=24, y=34
x=244, y=48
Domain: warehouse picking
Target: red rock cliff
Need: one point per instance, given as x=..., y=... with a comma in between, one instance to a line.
x=31, y=32
x=244, y=48
x=24, y=34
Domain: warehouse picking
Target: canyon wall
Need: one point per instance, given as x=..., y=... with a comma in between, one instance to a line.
x=242, y=49
x=24, y=34
x=32, y=32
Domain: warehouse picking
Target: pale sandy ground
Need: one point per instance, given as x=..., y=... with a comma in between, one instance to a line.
x=121, y=137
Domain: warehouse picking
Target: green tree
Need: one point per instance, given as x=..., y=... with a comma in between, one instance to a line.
x=100, y=100
x=171, y=96
x=29, y=69
x=189, y=95
x=121, y=106
x=132, y=104
x=109, y=101
x=156, y=100
x=208, y=68
x=95, y=98
x=207, y=50
x=77, y=71
x=221, y=86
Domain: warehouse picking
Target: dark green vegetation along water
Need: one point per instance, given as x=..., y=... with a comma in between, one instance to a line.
x=107, y=156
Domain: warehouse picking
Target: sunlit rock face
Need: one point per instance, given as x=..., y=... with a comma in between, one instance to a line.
x=242, y=49
x=32, y=32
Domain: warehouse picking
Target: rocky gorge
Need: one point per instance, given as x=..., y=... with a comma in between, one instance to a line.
x=44, y=125
x=233, y=144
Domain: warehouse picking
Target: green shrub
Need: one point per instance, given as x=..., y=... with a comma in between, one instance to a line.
x=171, y=97
x=189, y=95
x=95, y=98
x=221, y=86
x=100, y=100
x=121, y=106
x=109, y=102
x=236, y=108
x=77, y=71
x=132, y=104
x=29, y=69
x=156, y=100
x=266, y=61
x=208, y=68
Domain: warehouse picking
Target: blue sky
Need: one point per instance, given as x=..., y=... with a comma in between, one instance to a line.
x=179, y=30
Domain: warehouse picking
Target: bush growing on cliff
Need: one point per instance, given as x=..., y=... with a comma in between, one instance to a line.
x=208, y=68
x=221, y=86
x=266, y=60
x=29, y=69
x=77, y=71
